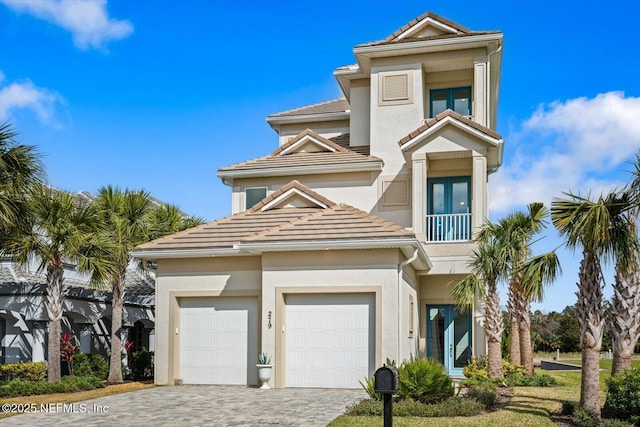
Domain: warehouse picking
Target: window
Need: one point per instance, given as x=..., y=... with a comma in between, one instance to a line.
x=449, y=209
x=457, y=99
x=254, y=195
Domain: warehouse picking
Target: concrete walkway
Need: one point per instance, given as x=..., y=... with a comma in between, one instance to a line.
x=200, y=405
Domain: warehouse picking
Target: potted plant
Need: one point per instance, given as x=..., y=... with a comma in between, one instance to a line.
x=264, y=370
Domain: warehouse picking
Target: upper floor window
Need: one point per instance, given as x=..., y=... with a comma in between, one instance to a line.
x=448, y=209
x=253, y=195
x=457, y=99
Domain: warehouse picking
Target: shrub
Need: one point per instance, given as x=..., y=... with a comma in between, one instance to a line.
x=623, y=396
x=85, y=365
x=584, y=418
x=369, y=387
x=538, y=380
x=68, y=384
x=616, y=423
x=424, y=380
x=477, y=368
x=142, y=364
x=511, y=369
x=568, y=407
x=451, y=407
x=29, y=371
x=99, y=366
x=483, y=393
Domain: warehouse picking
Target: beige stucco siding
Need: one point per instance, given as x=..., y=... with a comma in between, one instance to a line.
x=327, y=129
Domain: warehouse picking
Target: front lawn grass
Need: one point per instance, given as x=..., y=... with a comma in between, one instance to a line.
x=75, y=397
x=529, y=406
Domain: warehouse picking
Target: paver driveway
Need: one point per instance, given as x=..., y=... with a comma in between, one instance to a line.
x=201, y=405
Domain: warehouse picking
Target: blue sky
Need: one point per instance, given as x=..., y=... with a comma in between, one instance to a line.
x=160, y=94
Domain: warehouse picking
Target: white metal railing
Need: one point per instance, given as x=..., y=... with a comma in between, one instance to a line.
x=449, y=227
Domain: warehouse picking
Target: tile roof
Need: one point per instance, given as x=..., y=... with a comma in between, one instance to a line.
x=416, y=21
x=338, y=105
x=260, y=225
x=344, y=141
x=442, y=116
x=135, y=285
x=395, y=37
x=336, y=222
x=341, y=156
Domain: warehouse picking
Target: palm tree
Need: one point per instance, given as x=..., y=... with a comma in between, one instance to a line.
x=516, y=232
x=587, y=224
x=20, y=168
x=125, y=215
x=131, y=218
x=625, y=304
x=488, y=265
x=58, y=229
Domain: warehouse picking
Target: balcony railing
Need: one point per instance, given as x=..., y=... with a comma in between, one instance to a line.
x=449, y=227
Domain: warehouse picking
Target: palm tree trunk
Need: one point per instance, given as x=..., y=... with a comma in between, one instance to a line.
x=115, y=361
x=514, y=334
x=590, y=308
x=493, y=327
x=55, y=277
x=524, y=324
x=625, y=320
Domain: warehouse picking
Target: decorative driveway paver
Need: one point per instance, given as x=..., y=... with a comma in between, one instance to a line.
x=200, y=405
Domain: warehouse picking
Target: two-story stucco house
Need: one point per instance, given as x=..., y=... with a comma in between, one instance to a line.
x=342, y=242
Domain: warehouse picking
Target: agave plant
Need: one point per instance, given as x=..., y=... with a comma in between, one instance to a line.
x=264, y=359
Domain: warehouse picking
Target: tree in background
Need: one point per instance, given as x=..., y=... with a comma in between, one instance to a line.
x=59, y=229
x=587, y=224
x=488, y=264
x=20, y=169
x=130, y=218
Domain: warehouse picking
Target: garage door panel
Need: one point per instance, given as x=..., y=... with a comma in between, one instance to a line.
x=330, y=340
x=219, y=340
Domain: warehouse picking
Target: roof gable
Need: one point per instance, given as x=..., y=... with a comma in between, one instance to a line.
x=428, y=25
x=308, y=142
x=292, y=195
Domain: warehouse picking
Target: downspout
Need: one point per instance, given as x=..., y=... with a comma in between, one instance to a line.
x=400, y=269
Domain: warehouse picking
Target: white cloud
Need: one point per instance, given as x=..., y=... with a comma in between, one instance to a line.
x=576, y=146
x=25, y=95
x=87, y=20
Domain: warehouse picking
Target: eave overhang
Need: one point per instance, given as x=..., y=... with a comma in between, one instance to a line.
x=372, y=166
x=276, y=121
x=364, y=53
x=494, y=145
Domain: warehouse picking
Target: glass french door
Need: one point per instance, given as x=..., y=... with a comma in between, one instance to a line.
x=449, y=208
x=449, y=337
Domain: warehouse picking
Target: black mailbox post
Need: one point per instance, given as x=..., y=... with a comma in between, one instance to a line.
x=386, y=383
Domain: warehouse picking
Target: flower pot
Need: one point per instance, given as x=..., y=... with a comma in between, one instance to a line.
x=264, y=375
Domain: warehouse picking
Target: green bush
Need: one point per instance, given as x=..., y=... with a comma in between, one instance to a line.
x=538, y=380
x=584, y=418
x=68, y=384
x=511, y=369
x=27, y=371
x=142, y=365
x=369, y=387
x=623, y=396
x=483, y=393
x=568, y=407
x=451, y=407
x=477, y=368
x=616, y=423
x=85, y=365
x=424, y=380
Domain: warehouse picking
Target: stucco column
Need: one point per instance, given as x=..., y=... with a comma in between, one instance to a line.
x=419, y=193
x=38, y=341
x=480, y=84
x=479, y=191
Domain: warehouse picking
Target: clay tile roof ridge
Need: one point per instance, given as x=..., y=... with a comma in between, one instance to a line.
x=421, y=18
x=292, y=184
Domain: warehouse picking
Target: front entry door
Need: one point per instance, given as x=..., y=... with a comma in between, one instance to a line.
x=449, y=337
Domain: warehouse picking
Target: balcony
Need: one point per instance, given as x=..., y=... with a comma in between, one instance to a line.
x=449, y=228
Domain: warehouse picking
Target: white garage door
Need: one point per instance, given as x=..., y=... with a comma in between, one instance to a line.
x=219, y=340
x=329, y=340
